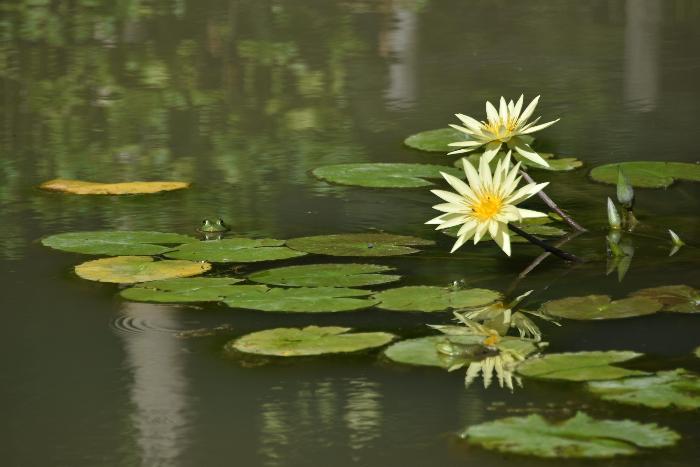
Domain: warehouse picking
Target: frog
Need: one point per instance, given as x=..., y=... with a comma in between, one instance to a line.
x=213, y=226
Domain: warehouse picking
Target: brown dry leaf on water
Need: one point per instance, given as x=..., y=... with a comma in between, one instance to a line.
x=79, y=187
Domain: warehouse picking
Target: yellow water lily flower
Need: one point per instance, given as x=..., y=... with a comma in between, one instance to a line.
x=506, y=125
x=486, y=204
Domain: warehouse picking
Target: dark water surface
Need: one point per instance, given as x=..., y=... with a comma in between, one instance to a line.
x=244, y=98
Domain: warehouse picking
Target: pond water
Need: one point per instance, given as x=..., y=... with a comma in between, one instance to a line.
x=244, y=99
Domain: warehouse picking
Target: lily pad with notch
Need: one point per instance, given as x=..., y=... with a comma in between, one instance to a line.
x=578, y=437
x=326, y=275
x=133, y=269
x=678, y=298
x=593, y=307
x=116, y=242
x=182, y=290
x=299, y=299
x=647, y=174
x=580, y=366
x=430, y=299
x=676, y=388
x=235, y=250
x=384, y=175
x=308, y=341
x=358, y=244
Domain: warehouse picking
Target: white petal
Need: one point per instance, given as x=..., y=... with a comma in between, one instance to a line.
x=527, y=152
x=451, y=207
x=451, y=222
x=527, y=113
x=485, y=173
x=480, y=231
x=527, y=213
x=449, y=196
x=460, y=151
x=462, y=129
x=460, y=186
x=503, y=110
x=491, y=113
x=503, y=239
x=441, y=218
x=525, y=192
x=460, y=241
x=471, y=173
x=542, y=126
x=469, y=122
x=518, y=106
x=468, y=144
x=491, y=150
x=493, y=228
x=467, y=229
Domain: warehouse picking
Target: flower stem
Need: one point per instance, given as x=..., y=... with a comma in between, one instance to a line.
x=555, y=251
x=552, y=205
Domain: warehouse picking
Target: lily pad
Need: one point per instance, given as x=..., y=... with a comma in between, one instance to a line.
x=116, y=242
x=647, y=174
x=359, y=244
x=132, y=269
x=679, y=298
x=384, y=175
x=311, y=340
x=580, y=366
x=600, y=307
x=578, y=437
x=676, y=388
x=326, y=275
x=191, y=289
x=435, y=140
x=556, y=164
x=79, y=187
x=298, y=299
x=428, y=299
x=235, y=250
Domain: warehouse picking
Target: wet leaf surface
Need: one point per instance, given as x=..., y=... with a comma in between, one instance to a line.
x=678, y=298
x=191, y=289
x=429, y=299
x=326, y=275
x=578, y=437
x=311, y=340
x=580, y=366
x=79, y=187
x=648, y=174
x=235, y=250
x=116, y=242
x=298, y=299
x=435, y=140
x=384, y=175
x=678, y=389
x=360, y=244
x=593, y=307
x=132, y=269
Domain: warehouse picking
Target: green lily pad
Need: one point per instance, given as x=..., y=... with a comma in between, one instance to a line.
x=326, y=275
x=427, y=298
x=580, y=366
x=311, y=340
x=235, y=250
x=679, y=298
x=435, y=140
x=191, y=289
x=676, y=388
x=556, y=164
x=647, y=174
x=384, y=175
x=422, y=351
x=132, y=269
x=600, y=307
x=115, y=242
x=578, y=437
x=298, y=299
x=359, y=244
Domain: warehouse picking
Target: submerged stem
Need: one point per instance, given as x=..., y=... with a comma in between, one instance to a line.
x=555, y=251
x=552, y=205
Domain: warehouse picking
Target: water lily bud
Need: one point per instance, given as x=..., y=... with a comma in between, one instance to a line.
x=625, y=192
x=613, y=216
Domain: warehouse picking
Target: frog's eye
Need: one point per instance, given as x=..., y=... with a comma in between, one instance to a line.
x=220, y=220
x=205, y=221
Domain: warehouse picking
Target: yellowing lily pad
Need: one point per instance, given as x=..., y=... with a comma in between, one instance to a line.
x=676, y=388
x=116, y=242
x=311, y=340
x=578, y=437
x=384, y=175
x=600, y=307
x=79, y=187
x=435, y=140
x=235, y=250
x=428, y=299
x=326, y=275
x=647, y=174
x=679, y=298
x=132, y=269
x=580, y=366
x=188, y=289
x=298, y=299
x=359, y=244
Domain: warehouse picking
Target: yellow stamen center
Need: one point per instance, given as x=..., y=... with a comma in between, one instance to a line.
x=487, y=207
